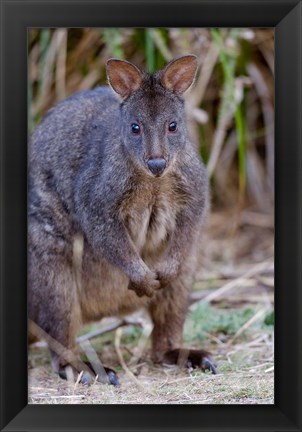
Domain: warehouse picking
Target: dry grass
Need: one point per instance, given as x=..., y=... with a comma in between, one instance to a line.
x=245, y=376
x=252, y=386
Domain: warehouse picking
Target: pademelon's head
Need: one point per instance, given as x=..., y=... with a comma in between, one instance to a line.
x=153, y=123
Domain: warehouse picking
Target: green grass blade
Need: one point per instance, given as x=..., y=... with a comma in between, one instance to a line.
x=149, y=50
x=228, y=62
x=240, y=132
x=161, y=44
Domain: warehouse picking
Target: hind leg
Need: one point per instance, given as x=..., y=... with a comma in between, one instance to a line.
x=55, y=316
x=54, y=311
x=168, y=312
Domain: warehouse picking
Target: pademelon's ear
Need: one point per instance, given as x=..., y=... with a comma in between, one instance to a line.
x=179, y=74
x=123, y=77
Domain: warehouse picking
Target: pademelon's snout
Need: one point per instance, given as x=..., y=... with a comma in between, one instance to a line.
x=157, y=166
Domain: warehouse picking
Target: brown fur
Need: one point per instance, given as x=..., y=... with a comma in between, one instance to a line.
x=106, y=237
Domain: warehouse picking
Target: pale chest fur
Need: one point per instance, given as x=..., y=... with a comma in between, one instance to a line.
x=149, y=215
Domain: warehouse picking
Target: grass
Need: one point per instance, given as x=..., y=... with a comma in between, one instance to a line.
x=240, y=381
x=245, y=368
x=204, y=319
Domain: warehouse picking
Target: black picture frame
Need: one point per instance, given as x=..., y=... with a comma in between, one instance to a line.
x=16, y=16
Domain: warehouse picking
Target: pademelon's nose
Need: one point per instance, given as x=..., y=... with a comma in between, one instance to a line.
x=157, y=166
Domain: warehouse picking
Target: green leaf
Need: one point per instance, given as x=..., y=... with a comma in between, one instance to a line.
x=270, y=318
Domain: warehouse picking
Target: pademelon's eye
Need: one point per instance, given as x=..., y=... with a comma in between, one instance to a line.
x=172, y=126
x=135, y=128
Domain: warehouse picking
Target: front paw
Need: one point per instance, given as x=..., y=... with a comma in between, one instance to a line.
x=145, y=286
x=191, y=359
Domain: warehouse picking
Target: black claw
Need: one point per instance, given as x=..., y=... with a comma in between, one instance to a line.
x=111, y=375
x=113, y=379
x=86, y=379
x=208, y=365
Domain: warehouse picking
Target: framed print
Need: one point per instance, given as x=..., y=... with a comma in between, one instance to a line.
x=250, y=113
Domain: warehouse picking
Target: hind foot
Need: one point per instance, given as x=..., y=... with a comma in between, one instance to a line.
x=191, y=359
x=105, y=375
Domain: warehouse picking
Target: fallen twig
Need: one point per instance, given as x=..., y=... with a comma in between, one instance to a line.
x=110, y=327
x=232, y=284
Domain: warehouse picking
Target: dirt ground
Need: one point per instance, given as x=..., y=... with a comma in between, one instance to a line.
x=231, y=315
